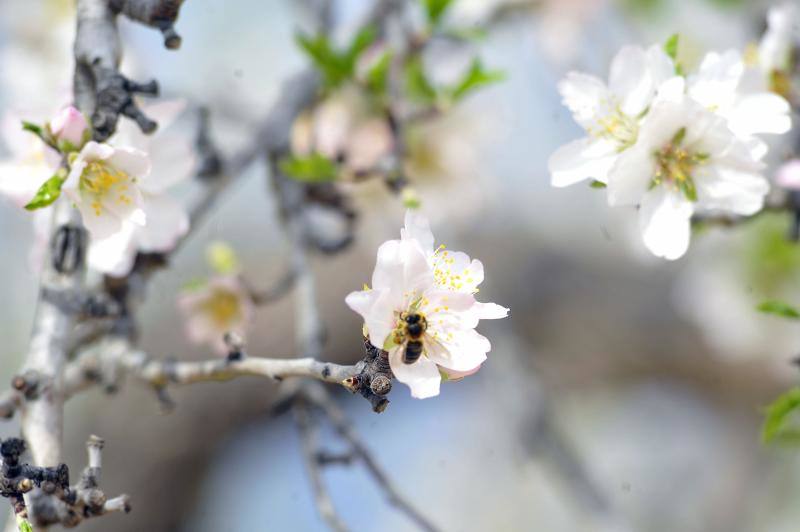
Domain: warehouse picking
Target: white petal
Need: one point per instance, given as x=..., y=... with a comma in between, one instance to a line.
x=133, y=162
x=464, y=351
x=115, y=254
x=418, y=228
x=733, y=190
x=167, y=222
x=665, y=222
x=584, y=95
x=760, y=113
x=491, y=311
x=630, y=177
x=586, y=158
x=630, y=81
x=422, y=376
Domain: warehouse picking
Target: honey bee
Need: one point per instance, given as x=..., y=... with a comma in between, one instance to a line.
x=415, y=326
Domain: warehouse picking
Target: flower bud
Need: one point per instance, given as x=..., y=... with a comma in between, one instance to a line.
x=70, y=129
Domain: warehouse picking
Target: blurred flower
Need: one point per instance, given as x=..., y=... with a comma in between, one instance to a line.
x=30, y=163
x=610, y=114
x=343, y=129
x=70, y=129
x=166, y=219
x=685, y=160
x=788, y=175
x=103, y=184
x=422, y=295
x=775, y=48
x=214, y=308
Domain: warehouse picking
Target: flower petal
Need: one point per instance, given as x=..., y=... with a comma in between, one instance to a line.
x=422, y=376
x=665, y=222
x=586, y=158
x=167, y=222
x=417, y=227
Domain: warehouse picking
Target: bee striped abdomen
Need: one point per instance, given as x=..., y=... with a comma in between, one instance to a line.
x=413, y=351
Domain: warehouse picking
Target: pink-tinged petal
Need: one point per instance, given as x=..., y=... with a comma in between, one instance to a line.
x=70, y=125
x=417, y=271
x=764, y=112
x=175, y=160
x=422, y=376
x=731, y=189
x=453, y=375
x=788, y=175
x=332, y=123
x=362, y=301
x=418, y=228
x=586, y=158
x=381, y=319
x=368, y=145
x=167, y=222
x=665, y=222
x=133, y=162
x=115, y=254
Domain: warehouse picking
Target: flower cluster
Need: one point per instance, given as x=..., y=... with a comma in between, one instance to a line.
x=125, y=209
x=421, y=309
x=670, y=142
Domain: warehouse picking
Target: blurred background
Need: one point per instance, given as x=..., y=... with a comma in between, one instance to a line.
x=624, y=393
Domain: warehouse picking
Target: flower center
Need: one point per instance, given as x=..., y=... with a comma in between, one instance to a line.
x=222, y=307
x=101, y=181
x=613, y=124
x=674, y=166
x=443, y=274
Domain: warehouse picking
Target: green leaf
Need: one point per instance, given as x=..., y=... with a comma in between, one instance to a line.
x=24, y=525
x=314, y=168
x=671, y=46
x=597, y=184
x=777, y=417
x=475, y=78
x=47, y=193
x=417, y=84
x=435, y=10
x=378, y=75
x=362, y=40
x=336, y=66
x=222, y=258
x=779, y=308
x=36, y=129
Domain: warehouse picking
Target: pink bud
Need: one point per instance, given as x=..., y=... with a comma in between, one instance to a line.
x=71, y=126
x=788, y=175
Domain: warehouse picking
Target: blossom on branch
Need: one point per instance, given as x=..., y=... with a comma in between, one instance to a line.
x=103, y=184
x=422, y=309
x=689, y=145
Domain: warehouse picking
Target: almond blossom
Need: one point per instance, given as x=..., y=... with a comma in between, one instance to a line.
x=214, y=308
x=103, y=184
x=167, y=220
x=783, y=32
x=410, y=278
x=685, y=160
x=610, y=113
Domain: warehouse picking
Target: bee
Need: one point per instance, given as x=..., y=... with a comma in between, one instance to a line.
x=415, y=326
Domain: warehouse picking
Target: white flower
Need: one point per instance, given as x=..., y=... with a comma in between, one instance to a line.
x=685, y=160
x=408, y=286
x=167, y=220
x=102, y=183
x=610, y=114
x=724, y=85
x=217, y=307
x=775, y=49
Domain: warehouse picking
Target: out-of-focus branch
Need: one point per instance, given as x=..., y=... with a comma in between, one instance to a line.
x=100, y=89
